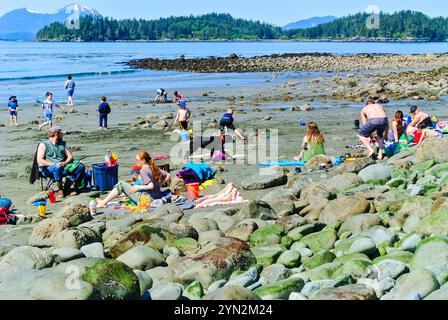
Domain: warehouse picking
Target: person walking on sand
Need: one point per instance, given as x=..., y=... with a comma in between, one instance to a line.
x=70, y=87
x=103, y=110
x=13, y=108
x=183, y=116
x=373, y=118
x=48, y=106
x=312, y=144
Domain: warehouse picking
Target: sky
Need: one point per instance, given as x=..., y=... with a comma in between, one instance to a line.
x=278, y=12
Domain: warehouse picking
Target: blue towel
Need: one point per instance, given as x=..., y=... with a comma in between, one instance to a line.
x=203, y=170
x=282, y=163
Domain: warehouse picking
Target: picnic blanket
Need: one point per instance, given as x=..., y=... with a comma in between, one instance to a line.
x=228, y=196
x=282, y=163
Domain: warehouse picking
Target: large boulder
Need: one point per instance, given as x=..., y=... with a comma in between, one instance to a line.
x=256, y=209
x=267, y=235
x=412, y=286
x=281, y=289
x=142, y=258
x=45, y=285
x=323, y=240
x=315, y=192
x=77, y=237
x=361, y=222
x=24, y=258
x=433, y=149
x=343, y=208
x=155, y=235
x=342, y=182
x=417, y=207
x=243, y=230
x=231, y=293
x=432, y=254
x=348, y=292
x=434, y=224
x=113, y=280
x=376, y=173
x=216, y=261
x=267, y=255
x=355, y=166
x=75, y=213
x=45, y=232
x=268, y=178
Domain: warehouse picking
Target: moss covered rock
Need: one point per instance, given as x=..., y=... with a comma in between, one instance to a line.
x=262, y=235
x=289, y=259
x=113, y=280
x=432, y=255
x=319, y=259
x=355, y=268
x=267, y=255
x=323, y=240
x=186, y=245
x=281, y=289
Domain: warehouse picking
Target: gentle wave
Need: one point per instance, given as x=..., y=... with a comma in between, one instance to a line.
x=78, y=75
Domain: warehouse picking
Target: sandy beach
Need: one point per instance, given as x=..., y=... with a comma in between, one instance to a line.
x=273, y=105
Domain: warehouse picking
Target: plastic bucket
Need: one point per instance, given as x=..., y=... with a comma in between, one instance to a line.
x=193, y=190
x=105, y=178
x=184, y=135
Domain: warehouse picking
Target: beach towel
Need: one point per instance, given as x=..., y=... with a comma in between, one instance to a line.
x=282, y=163
x=356, y=146
x=228, y=196
x=188, y=175
x=203, y=170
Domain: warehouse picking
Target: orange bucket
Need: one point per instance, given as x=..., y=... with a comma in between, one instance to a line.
x=193, y=190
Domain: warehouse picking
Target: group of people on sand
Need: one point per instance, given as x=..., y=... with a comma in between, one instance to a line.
x=162, y=96
x=375, y=120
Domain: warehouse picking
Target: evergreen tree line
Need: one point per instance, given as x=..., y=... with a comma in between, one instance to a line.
x=399, y=25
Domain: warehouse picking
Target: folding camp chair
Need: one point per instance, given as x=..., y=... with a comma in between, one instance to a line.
x=45, y=180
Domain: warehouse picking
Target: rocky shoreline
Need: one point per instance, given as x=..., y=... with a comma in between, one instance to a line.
x=294, y=63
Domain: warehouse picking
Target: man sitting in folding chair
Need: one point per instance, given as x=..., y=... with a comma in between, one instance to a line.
x=56, y=162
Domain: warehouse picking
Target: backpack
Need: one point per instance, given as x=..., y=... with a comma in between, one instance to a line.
x=107, y=109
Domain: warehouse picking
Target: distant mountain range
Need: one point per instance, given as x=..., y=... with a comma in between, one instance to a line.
x=309, y=23
x=23, y=24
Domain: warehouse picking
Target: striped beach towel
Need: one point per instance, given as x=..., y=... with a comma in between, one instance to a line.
x=228, y=196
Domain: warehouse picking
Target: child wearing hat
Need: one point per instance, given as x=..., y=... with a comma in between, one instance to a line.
x=13, y=107
x=183, y=116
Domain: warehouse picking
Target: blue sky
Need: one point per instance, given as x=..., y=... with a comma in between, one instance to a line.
x=278, y=12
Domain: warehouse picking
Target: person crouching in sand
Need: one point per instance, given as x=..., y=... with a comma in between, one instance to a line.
x=226, y=122
x=152, y=179
x=373, y=118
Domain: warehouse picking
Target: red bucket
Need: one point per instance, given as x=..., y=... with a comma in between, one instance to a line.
x=193, y=191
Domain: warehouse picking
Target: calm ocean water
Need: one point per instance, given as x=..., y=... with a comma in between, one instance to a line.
x=29, y=69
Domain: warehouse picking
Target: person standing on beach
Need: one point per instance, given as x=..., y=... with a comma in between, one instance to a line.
x=103, y=110
x=70, y=87
x=183, y=116
x=226, y=122
x=48, y=106
x=373, y=118
x=13, y=107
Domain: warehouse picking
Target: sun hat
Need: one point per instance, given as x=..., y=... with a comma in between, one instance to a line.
x=182, y=104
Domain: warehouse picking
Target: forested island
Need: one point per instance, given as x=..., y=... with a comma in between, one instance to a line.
x=403, y=25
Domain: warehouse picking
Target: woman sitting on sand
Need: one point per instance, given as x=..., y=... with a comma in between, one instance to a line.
x=398, y=128
x=313, y=143
x=152, y=178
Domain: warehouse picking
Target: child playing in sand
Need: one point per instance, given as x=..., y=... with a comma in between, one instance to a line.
x=178, y=97
x=48, y=106
x=183, y=116
x=103, y=110
x=227, y=123
x=162, y=95
x=13, y=107
x=422, y=133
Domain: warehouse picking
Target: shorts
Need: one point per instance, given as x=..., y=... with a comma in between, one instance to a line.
x=427, y=123
x=225, y=123
x=70, y=92
x=376, y=124
x=183, y=125
x=13, y=113
x=48, y=117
